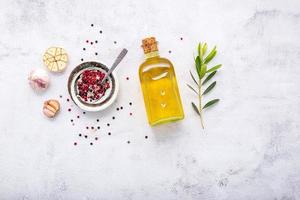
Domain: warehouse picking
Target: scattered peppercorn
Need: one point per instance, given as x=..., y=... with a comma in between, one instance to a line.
x=87, y=127
x=96, y=53
x=117, y=109
x=97, y=120
x=78, y=116
x=92, y=25
x=75, y=143
x=91, y=143
x=69, y=109
x=128, y=142
x=109, y=133
x=100, y=32
x=86, y=136
x=121, y=107
x=146, y=137
x=170, y=51
x=83, y=49
x=130, y=103
x=96, y=41
x=92, y=127
x=68, y=100
x=113, y=118
x=72, y=120
x=83, y=113
x=127, y=78
x=80, y=135
x=98, y=127
x=108, y=124
x=96, y=138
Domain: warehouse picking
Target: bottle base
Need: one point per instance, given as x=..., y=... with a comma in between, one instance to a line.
x=166, y=120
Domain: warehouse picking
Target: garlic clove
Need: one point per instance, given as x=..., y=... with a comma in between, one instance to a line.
x=51, y=108
x=54, y=104
x=48, y=107
x=48, y=113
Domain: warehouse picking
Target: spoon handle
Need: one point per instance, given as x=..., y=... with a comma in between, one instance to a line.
x=117, y=61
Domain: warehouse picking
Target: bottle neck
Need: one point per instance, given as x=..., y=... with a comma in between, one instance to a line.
x=152, y=54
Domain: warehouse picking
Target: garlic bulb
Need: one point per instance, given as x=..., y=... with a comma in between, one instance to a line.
x=39, y=79
x=56, y=59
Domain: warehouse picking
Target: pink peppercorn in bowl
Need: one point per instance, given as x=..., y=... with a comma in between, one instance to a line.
x=86, y=90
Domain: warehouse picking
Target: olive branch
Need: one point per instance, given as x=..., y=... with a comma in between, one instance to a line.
x=204, y=76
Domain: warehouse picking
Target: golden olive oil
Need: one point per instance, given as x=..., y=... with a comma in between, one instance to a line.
x=159, y=86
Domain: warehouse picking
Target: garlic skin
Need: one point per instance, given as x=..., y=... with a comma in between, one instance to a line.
x=39, y=79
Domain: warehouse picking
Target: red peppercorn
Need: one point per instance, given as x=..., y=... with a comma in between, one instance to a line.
x=90, y=87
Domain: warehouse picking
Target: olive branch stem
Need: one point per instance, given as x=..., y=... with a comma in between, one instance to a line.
x=200, y=103
x=206, y=74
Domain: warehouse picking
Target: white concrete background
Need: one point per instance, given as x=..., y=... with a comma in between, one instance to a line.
x=250, y=148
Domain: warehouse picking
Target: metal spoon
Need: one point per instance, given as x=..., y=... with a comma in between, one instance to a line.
x=117, y=61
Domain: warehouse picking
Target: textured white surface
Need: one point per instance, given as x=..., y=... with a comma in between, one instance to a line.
x=250, y=148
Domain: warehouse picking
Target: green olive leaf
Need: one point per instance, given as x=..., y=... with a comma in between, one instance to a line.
x=204, y=48
x=215, y=68
x=209, y=88
x=203, y=70
x=192, y=88
x=193, y=78
x=210, y=103
x=199, y=51
x=198, y=65
x=211, y=55
x=195, y=108
x=209, y=77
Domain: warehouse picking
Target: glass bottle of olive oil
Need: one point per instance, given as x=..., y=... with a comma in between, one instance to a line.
x=159, y=86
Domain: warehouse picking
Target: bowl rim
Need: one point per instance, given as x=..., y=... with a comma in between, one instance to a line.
x=71, y=89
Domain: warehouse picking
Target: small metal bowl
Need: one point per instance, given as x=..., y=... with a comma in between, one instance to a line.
x=106, y=100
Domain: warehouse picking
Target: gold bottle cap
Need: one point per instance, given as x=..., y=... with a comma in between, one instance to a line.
x=149, y=45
